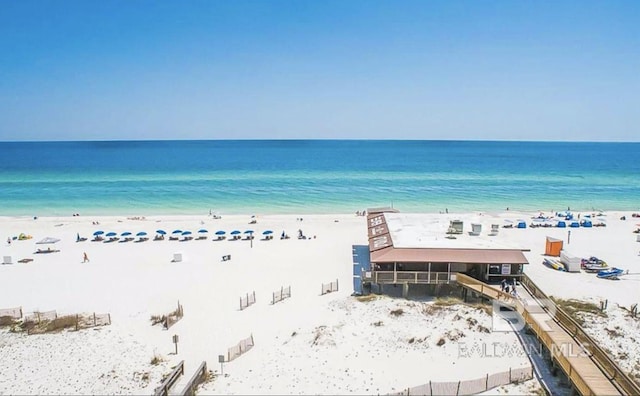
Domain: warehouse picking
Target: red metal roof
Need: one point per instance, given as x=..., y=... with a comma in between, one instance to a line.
x=445, y=255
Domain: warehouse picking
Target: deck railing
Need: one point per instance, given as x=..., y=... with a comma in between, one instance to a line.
x=417, y=277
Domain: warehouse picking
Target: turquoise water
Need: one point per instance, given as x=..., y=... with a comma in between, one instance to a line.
x=314, y=176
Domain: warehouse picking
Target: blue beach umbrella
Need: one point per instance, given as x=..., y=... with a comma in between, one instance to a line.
x=248, y=232
x=141, y=233
x=98, y=233
x=235, y=232
x=177, y=232
x=220, y=232
x=186, y=233
x=111, y=234
x=126, y=233
x=203, y=231
x=267, y=232
x=161, y=232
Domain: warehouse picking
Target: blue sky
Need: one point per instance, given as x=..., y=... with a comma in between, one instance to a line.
x=504, y=70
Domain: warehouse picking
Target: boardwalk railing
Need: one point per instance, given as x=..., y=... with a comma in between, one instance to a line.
x=329, y=287
x=248, y=300
x=471, y=387
x=163, y=389
x=199, y=377
x=284, y=292
x=612, y=371
x=590, y=349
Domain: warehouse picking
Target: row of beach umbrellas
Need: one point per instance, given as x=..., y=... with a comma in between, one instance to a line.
x=112, y=234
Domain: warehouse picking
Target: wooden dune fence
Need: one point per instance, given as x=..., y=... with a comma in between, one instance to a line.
x=173, y=317
x=39, y=317
x=240, y=348
x=284, y=292
x=13, y=313
x=471, y=387
x=329, y=287
x=54, y=321
x=248, y=300
x=165, y=386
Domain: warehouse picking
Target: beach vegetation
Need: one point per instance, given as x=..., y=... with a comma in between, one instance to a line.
x=441, y=341
x=538, y=391
x=577, y=309
x=60, y=323
x=616, y=332
x=397, y=312
x=209, y=376
x=447, y=301
x=367, y=298
x=156, y=360
x=6, y=321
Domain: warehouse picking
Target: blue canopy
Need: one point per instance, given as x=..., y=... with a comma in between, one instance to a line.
x=141, y=233
x=177, y=232
x=235, y=232
x=98, y=233
x=161, y=232
x=248, y=232
x=220, y=232
x=202, y=231
x=126, y=233
x=267, y=232
x=186, y=233
x=111, y=234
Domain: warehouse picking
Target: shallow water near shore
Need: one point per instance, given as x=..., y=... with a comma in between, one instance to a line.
x=314, y=176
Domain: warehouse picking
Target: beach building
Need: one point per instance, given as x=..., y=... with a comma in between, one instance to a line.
x=410, y=249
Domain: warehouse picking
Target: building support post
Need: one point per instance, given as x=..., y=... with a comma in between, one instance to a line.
x=405, y=290
x=395, y=273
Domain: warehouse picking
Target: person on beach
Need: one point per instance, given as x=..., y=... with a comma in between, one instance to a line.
x=85, y=258
x=9, y=241
x=503, y=284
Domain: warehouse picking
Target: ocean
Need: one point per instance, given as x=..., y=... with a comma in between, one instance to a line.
x=314, y=176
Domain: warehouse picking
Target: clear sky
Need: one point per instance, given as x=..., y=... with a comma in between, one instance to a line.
x=515, y=70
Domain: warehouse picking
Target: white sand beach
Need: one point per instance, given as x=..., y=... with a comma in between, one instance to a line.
x=307, y=344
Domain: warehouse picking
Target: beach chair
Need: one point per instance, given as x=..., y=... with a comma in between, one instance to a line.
x=226, y=257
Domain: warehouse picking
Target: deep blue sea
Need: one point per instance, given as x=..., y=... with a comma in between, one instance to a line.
x=314, y=176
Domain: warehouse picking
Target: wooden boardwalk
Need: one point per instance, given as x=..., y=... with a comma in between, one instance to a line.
x=573, y=356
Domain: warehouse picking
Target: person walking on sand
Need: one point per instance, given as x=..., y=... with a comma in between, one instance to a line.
x=85, y=258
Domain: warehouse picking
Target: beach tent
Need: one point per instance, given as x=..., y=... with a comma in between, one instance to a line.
x=553, y=247
x=561, y=224
x=476, y=229
x=522, y=224
x=574, y=224
x=587, y=223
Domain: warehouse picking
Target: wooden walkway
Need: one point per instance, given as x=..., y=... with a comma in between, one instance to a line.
x=568, y=352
